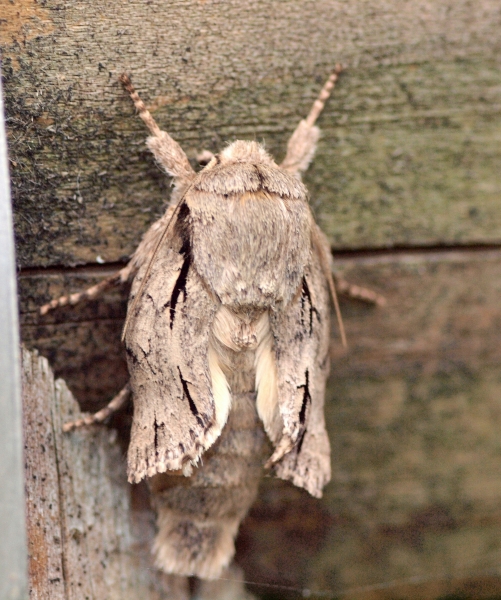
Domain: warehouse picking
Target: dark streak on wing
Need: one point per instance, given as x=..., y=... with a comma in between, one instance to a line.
x=193, y=406
x=259, y=176
x=133, y=357
x=306, y=397
x=305, y=294
x=302, y=412
x=157, y=427
x=300, y=441
x=180, y=285
x=149, y=363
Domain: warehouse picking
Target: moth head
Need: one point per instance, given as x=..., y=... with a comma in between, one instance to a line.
x=246, y=167
x=241, y=151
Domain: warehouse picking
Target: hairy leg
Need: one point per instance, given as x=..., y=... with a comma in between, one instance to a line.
x=118, y=401
x=89, y=294
x=356, y=292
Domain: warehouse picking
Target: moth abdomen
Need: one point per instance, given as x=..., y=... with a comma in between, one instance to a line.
x=199, y=517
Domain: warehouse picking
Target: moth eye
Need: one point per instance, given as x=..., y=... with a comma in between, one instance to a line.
x=205, y=157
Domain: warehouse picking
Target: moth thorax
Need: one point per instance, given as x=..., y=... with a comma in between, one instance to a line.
x=245, y=151
x=239, y=329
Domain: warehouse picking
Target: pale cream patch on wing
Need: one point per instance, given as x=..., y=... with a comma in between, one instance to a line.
x=231, y=331
x=224, y=326
x=221, y=393
x=266, y=381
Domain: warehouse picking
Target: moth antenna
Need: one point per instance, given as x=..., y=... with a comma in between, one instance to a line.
x=326, y=91
x=143, y=112
x=303, y=142
x=324, y=262
x=167, y=152
x=148, y=268
x=313, y=115
x=115, y=404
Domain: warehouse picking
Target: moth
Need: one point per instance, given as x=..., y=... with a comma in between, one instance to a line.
x=227, y=339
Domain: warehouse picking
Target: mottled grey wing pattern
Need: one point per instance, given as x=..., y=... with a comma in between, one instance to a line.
x=301, y=336
x=167, y=351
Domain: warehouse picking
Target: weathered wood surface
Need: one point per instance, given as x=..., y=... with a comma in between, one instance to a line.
x=413, y=510
x=85, y=539
x=442, y=314
x=89, y=532
x=82, y=344
x=411, y=138
x=409, y=156
x=413, y=415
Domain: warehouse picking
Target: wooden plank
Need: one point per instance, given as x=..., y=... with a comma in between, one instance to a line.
x=413, y=417
x=82, y=344
x=411, y=138
x=43, y=510
x=409, y=156
x=442, y=313
x=413, y=507
x=85, y=541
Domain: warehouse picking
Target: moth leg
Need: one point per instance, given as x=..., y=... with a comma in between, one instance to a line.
x=89, y=294
x=303, y=142
x=116, y=403
x=356, y=292
x=166, y=151
x=231, y=584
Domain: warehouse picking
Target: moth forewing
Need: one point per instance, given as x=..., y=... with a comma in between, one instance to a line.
x=302, y=336
x=233, y=308
x=167, y=351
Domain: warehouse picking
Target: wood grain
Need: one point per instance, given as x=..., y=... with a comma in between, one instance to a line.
x=413, y=414
x=408, y=159
x=410, y=143
x=85, y=538
x=442, y=313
